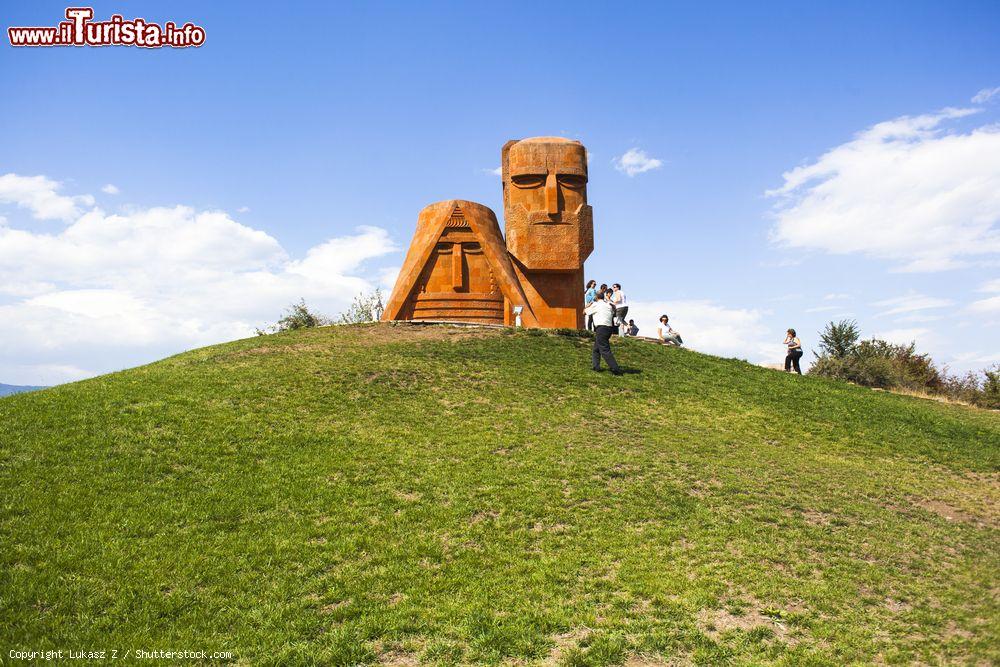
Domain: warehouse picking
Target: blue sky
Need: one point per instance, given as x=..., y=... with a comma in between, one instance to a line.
x=302, y=139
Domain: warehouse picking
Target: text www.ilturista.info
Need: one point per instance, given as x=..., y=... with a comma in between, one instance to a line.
x=79, y=30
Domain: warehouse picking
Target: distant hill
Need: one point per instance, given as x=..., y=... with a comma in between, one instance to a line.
x=435, y=495
x=8, y=389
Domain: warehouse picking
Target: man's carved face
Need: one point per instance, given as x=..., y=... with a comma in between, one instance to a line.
x=549, y=224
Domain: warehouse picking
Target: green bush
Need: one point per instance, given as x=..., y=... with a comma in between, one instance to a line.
x=981, y=389
x=364, y=308
x=870, y=371
x=905, y=368
x=879, y=363
x=298, y=316
x=991, y=388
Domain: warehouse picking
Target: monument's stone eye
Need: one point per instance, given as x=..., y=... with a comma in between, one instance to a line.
x=527, y=181
x=460, y=268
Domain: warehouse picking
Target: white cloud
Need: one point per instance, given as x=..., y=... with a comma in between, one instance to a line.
x=905, y=336
x=822, y=309
x=988, y=305
x=904, y=190
x=918, y=318
x=110, y=189
x=990, y=286
x=977, y=359
x=243, y=209
x=991, y=304
x=496, y=172
x=635, y=161
x=985, y=94
x=387, y=278
x=781, y=263
x=708, y=327
x=38, y=195
x=909, y=303
x=836, y=297
x=109, y=291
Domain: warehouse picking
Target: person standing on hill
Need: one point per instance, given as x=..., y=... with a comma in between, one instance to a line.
x=620, y=302
x=794, y=346
x=604, y=315
x=588, y=298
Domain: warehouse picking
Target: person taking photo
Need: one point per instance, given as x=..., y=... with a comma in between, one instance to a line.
x=604, y=316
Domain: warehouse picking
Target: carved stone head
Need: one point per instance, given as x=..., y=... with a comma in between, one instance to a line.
x=549, y=225
x=456, y=268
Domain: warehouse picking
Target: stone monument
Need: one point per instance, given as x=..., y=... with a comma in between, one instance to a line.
x=459, y=267
x=549, y=225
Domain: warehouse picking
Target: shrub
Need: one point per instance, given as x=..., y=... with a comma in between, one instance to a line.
x=981, y=389
x=879, y=363
x=364, y=308
x=905, y=367
x=298, y=316
x=872, y=371
x=991, y=388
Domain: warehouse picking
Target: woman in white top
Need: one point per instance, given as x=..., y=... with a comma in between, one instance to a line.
x=667, y=334
x=794, y=346
x=620, y=302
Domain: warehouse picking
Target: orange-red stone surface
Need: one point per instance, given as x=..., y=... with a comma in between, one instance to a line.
x=460, y=268
x=457, y=268
x=549, y=225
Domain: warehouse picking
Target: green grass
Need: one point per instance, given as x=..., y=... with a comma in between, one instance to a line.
x=360, y=494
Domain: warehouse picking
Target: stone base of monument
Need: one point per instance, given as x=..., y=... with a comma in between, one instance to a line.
x=451, y=323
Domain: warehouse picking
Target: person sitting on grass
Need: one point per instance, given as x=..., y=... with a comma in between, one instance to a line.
x=631, y=330
x=667, y=334
x=604, y=316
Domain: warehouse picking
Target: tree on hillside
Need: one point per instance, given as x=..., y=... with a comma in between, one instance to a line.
x=839, y=339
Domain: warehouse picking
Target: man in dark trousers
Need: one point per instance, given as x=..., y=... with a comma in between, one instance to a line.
x=604, y=316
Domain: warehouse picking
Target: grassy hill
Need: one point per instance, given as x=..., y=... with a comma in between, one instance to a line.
x=403, y=494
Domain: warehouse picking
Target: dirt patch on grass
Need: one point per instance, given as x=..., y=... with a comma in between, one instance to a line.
x=334, y=606
x=953, y=631
x=951, y=513
x=564, y=643
x=717, y=622
x=654, y=661
x=816, y=518
x=398, y=659
x=393, y=378
x=404, y=332
x=262, y=350
x=540, y=527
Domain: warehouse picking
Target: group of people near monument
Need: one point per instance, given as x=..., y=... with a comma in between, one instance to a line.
x=606, y=309
x=615, y=297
